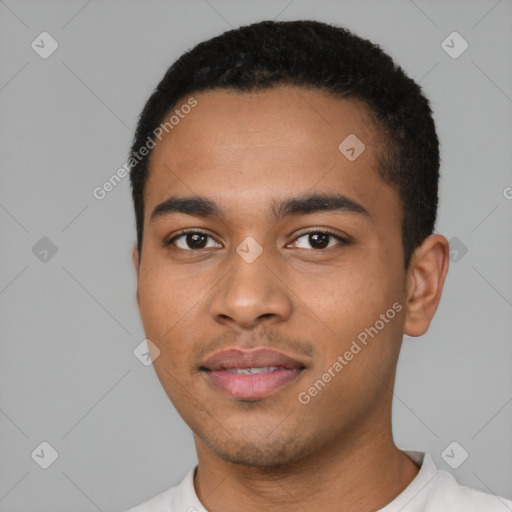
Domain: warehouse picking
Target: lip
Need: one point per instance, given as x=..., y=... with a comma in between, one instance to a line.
x=253, y=358
x=255, y=386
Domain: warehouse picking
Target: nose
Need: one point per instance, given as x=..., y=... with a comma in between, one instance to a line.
x=251, y=293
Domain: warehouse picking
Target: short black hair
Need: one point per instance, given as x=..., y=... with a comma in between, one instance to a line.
x=318, y=56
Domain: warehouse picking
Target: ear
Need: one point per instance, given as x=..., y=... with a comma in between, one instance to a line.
x=425, y=281
x=136, y=266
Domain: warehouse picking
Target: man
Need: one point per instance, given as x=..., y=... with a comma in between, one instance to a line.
x=285, y=183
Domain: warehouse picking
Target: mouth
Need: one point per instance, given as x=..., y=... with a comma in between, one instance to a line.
x=251, y=374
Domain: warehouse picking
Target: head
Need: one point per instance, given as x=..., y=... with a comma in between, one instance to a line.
x=304, y=165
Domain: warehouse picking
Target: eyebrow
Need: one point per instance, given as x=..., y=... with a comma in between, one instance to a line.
x=200, y=206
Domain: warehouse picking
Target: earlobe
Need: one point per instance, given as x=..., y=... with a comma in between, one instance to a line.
x=425, y=281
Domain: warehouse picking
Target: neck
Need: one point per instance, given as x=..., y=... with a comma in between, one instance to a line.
x=357, y=472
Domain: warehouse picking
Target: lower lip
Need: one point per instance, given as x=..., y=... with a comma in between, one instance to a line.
x=255, y=386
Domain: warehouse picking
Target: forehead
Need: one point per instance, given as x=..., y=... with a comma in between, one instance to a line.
x=248, y=147
x=283, y=117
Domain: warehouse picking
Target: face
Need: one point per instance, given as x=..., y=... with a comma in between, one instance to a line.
x=257, y=270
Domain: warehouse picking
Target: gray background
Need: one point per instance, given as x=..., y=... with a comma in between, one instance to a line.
x=69, y=324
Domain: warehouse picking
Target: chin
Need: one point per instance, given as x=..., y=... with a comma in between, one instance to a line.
x=270, y=452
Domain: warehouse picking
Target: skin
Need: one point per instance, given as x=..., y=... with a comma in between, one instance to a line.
x=243, y=151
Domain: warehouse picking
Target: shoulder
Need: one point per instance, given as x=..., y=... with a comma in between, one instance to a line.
x=158, y=503
x=448, y=494
x=437, y=490
x=180, y=498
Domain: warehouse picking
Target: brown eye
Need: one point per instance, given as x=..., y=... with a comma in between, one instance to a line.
x=191, y=240
x=319, y=240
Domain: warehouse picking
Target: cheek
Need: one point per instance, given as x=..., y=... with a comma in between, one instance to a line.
x=350, y=303
x=167, y=292
x=165, y=300
x=341, y=298
x=157, y=303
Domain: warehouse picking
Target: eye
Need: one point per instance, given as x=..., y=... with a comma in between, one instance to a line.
x=190, y=240
x=319, y=240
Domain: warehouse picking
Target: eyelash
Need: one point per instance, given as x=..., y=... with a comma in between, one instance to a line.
x=196, y=231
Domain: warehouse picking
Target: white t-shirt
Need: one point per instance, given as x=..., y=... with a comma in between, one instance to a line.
x=432, y=490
